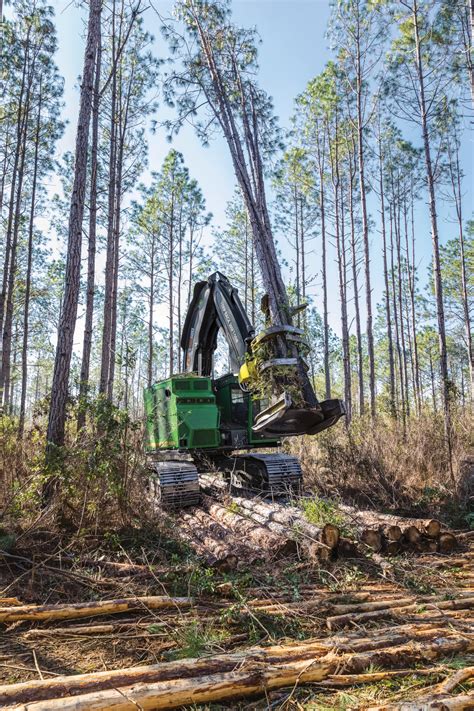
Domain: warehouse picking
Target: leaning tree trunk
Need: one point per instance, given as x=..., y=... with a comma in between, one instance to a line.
x=244, y=141
x=60, y=384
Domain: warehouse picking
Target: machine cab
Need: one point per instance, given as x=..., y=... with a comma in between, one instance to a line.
x=238, y=410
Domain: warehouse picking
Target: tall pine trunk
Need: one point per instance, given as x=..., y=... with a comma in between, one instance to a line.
x=355, y=281
x=438, y=282
x=91, y=244
x=9, y=303
x=29, y=259
x=322, y=208
x=455, y=175
x=14, y=176
x=388, y=314
x=342, y=277
x=67, y=322
x=365, y=226
x=112, y=189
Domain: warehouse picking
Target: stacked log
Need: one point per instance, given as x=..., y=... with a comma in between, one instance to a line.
x=234, y=675
x=279, y=530
x=392, y=534
x=220, y=546
x=277, y=545
x=286, y=520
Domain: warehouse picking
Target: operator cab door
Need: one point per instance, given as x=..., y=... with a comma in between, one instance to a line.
x=233, y=405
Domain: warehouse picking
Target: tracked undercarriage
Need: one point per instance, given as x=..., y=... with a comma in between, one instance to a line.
x=174, y=483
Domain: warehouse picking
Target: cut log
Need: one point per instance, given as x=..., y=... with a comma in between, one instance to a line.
x=372, y=538
x=411, y=536
x=391, y=547
x=285, y=519
x=426, y=545
x=4, y=601
x=33, y=613
x=215, y=555
x=200, y=681
x=447, y=542
x=348, y=548
x=344, y=680
x=338, y=621
x=259, y=535
x=217, y=539
x=214, y=485
x=244, y=548
x=429, y=527
x=369, y=606
x=24, y=692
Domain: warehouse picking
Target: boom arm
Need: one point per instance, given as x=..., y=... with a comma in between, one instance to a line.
x=215, y=305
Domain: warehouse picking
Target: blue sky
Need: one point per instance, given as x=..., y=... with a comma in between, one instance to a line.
x=294, y=49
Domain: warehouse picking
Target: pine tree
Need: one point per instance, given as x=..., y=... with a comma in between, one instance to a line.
x=60, y=384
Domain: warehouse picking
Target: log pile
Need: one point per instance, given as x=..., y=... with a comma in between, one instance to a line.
x=276, y=530
x=224, y=677
x=394, y=534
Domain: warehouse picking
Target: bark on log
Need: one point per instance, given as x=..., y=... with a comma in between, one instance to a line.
x=4, y=601
x=201, y=685
x=259, y=535
x=216, y=539
x=337, y=621
x=429, y=527
x=33, y=613
x=466, y=536
x=24, y=692
x=219, y=557
x=247, y=551
x=287, y=519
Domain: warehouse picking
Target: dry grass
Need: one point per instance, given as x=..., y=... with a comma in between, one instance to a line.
x=384, y=466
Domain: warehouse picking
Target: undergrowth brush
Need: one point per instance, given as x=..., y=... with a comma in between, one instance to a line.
x=97, y=481
x=390, y=467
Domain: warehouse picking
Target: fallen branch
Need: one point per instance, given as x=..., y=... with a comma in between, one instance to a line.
x=34, y=613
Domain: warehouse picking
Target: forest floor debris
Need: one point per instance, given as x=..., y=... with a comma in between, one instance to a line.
x=350, y=633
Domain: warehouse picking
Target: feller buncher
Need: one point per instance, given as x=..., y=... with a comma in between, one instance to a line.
x=195, y=422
